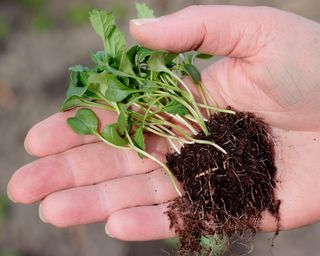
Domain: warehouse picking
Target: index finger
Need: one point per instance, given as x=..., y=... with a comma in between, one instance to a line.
x=53, y=135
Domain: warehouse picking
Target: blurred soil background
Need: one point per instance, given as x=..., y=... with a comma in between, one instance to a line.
x=39, y=40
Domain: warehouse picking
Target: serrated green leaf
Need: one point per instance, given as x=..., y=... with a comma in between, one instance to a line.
x=111, y=134
x=102, y=22
x=78, y=68
x=193, y=72
x=116, y=44
x=99, y=58
x=175, y=107
x=113, y=39
x=84, y=122
x=144, y=11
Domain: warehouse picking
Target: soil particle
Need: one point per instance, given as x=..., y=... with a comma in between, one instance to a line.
x=225, y=194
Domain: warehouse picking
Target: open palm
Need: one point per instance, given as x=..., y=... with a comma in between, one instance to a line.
x=270, y=68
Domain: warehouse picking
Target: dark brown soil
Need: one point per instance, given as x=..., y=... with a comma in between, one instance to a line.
x=225, y=194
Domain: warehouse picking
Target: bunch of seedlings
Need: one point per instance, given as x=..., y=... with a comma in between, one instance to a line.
x=223, y=159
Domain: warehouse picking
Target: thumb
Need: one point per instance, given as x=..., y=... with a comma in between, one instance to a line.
x=222, y=30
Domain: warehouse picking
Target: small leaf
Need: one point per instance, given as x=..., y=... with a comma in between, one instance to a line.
x=100, y=81
x=156, y=62
x=99, y=58
x=132, y=54
x=84, y=122
x=78, y=68
x=113, y=39
x=125, y=64
x=170, y=57
x=71, y=102
x=143, y=11
x=111, y=134
x=102, y=22
x=122, y=123
x=190, y=56
x=175, y=107
x=143, y=53
x=117, y=91
x=204, y=56
x=149, y=86
x=138, y=139
x=193, y=72
x=116, y=44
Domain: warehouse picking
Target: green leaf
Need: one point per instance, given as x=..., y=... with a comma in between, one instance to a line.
x=100, y=81
x=71, y=102
x=193, y=72
x=116, y=90
x=142, y=53
x=175, y=107
x=156, y=62
x=111, y=134
x=102, y=22
x=190, y=56
x=138, y=138
x=84, y=122
x=125, y=64
x=149, y=86
x=99, y=58
x=78, y=68
x=143, y=11
x=132, y=54
x=116, y=44
x=124, y=123
x=204, y=56
x=113, y=39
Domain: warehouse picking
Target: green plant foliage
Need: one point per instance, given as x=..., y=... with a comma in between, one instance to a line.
x=144, y=87
x=84, y=122
x=144, y=11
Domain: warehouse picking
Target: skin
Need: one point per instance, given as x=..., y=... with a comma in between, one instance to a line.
x=270, y=66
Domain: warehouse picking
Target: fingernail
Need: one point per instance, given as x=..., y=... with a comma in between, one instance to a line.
x=10, y=197
x=140, y=22
x=107, y=231
x=41, y=214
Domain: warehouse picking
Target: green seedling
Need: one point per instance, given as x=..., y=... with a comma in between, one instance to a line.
x=144, y=87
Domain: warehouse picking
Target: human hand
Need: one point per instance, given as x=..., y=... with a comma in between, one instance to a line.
x=270, y=68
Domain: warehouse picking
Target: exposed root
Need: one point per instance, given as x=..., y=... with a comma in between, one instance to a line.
x=225, y=194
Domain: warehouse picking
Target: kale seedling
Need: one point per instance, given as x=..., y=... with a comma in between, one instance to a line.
x=144, y=87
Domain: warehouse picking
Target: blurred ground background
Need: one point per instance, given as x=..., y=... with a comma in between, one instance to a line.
x=39, y=39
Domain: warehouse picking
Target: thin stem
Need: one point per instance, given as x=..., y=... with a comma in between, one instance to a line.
x=164, y=166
